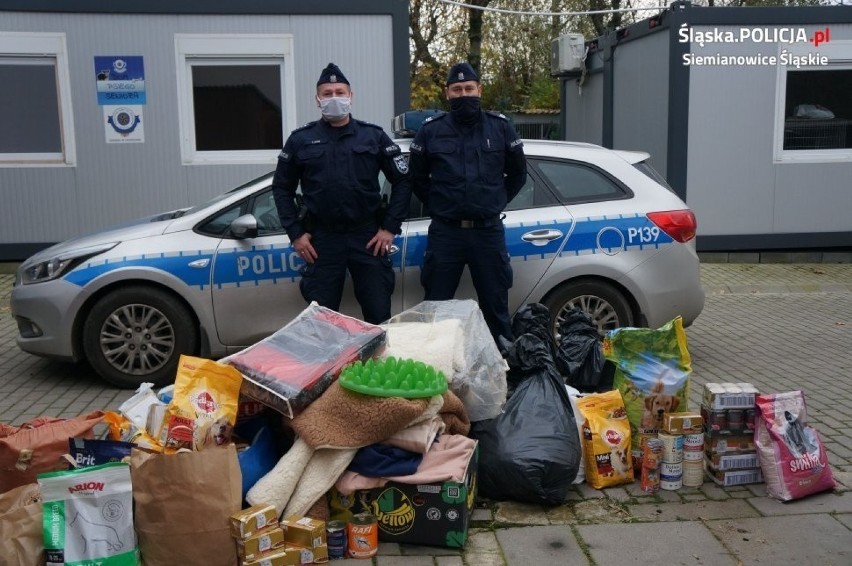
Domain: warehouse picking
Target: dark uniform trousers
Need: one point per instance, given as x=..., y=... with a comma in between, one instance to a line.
x=337, y=252
x=483, y=249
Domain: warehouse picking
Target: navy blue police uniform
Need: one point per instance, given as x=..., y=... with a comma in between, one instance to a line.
x=465, y=174
x=338, y=169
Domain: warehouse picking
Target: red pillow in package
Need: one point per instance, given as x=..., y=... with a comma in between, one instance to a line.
x=291, y=368
x=792, y=456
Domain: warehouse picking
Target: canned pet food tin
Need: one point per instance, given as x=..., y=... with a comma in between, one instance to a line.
x=693, y=473
x=671, y=475
x=650, y=480
x=736, y=419
x=750, y=415
x=716, y=420
x=363, y=536
x=335, y=534
x=693, y=447
x=672, y=447
x=652, y=453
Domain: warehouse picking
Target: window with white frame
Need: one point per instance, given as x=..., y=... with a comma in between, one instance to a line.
x=814, y=104
x=235, y=96
x=35, y=104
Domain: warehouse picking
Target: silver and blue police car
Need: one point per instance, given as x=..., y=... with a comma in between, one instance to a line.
x=592, y=227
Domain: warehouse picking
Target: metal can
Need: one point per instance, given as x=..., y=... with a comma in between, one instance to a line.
x=363, y=535
x=652, y=453
x=671, y=475
x=716, y=420
x=335, y=534
x=672, y=447
x=693, y=473
x=736, y=420
x=750, y=416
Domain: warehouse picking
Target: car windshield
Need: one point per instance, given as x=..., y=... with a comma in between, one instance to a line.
x=218, y=198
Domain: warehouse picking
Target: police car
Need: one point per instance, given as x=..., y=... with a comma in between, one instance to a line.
x=592, y=227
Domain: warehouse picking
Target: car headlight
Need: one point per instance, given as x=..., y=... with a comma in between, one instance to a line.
x=54, y=267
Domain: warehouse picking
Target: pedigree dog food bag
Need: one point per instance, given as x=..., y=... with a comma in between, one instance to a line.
x=606, y=440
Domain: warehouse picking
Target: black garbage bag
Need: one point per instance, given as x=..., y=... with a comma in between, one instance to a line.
x=531, y=451
x=532, y=319
x=580, y=353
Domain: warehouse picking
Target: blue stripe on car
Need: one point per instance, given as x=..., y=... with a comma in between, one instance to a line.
x=236, y=266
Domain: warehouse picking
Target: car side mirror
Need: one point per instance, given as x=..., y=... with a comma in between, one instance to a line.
x=244, y=227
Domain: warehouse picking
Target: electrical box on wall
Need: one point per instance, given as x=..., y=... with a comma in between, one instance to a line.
x=567, y=54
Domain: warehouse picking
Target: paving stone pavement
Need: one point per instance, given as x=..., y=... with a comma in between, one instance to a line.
x=779, y=326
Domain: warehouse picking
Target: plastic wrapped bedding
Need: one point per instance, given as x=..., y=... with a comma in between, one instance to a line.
x=291, y=368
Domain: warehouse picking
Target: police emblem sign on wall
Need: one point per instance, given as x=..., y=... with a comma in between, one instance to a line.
x=120, y=82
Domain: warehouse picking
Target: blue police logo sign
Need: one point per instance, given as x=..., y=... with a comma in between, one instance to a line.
x=123, y=120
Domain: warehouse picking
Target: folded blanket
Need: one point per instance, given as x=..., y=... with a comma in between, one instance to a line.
x=330, y=431
x=446, y=461
x=418, y=437
x=454, y=414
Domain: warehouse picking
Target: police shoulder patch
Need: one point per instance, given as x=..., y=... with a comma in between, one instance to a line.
x=391, y=149
x=284, y=156
x=401, y=163
x=434, y=117
x=497, y=115
x=417, y=148
x=516, y=143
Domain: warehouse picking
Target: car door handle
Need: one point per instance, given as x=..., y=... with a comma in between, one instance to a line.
x=541, y=237
x=393, y=249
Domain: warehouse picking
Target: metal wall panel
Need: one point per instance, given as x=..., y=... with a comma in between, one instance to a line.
x=583, y=108
x=113, y=183
x=640, y=91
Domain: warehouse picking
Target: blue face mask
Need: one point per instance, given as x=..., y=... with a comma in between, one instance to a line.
x=336, y=107
x=465, y=109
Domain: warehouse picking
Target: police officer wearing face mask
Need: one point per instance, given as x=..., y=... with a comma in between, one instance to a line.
x=465, y=166
x=343, y=225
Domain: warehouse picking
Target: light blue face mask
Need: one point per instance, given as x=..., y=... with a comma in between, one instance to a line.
x=336, y=107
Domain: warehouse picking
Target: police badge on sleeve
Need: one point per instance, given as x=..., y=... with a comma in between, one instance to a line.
x=401, y=163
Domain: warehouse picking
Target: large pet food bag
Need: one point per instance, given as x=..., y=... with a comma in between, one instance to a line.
x=652, y=374
x=606, y=440
x=88, y=516
x=791, y=453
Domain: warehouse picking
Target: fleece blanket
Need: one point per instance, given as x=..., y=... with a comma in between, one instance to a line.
x=330, y=431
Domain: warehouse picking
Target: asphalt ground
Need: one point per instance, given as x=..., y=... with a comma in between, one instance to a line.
x=779, y=326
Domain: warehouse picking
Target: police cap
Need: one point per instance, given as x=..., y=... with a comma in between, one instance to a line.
x=332, y=74
x=461, y=72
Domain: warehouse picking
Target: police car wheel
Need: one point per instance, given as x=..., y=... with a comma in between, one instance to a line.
x=137, y=334
x=605, y=304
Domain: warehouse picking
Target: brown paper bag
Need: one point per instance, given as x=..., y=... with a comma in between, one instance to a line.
x=22, y=543
x=183, y=502
x=37, y=446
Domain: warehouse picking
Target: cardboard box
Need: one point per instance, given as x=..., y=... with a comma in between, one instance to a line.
x=683, y=423
x=733, y=461
x=279, y=557
x=436, y=514
x=728, y=478
x=719, y=396
x=728, y=444
x=252, y=547
x=316, y=555
x=249, y=521
x=303, y=531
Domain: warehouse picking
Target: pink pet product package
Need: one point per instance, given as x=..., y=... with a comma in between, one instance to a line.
x=791, y=453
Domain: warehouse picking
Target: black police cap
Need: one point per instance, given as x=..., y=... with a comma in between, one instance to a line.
x=332, y=74
x=461, y=72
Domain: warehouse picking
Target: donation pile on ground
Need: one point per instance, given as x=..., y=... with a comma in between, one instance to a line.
x=334, y=434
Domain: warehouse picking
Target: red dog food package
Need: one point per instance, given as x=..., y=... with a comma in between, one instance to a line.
x=791, y=453
x=652, y=368
x=606, y=440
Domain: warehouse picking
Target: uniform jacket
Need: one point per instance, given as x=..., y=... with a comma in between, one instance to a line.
x=467, y=172
x=338, y=171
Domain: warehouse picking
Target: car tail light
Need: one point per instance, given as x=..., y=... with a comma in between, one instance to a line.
x=679, y=224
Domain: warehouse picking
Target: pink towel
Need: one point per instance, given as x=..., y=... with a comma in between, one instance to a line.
x=447, y=460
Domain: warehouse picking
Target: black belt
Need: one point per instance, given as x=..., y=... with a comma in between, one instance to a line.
x=473, y=223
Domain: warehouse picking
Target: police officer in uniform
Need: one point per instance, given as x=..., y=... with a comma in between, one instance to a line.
x=466, y=165
x=343, y=224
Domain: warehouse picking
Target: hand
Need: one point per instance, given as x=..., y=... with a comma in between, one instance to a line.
x=380, y=243
x=304, y=248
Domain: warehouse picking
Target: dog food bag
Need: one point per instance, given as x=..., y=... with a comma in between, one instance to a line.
x=790, y=451
x=88, y=516
x=652, y=368
x=203, y=410
x=606, y=440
